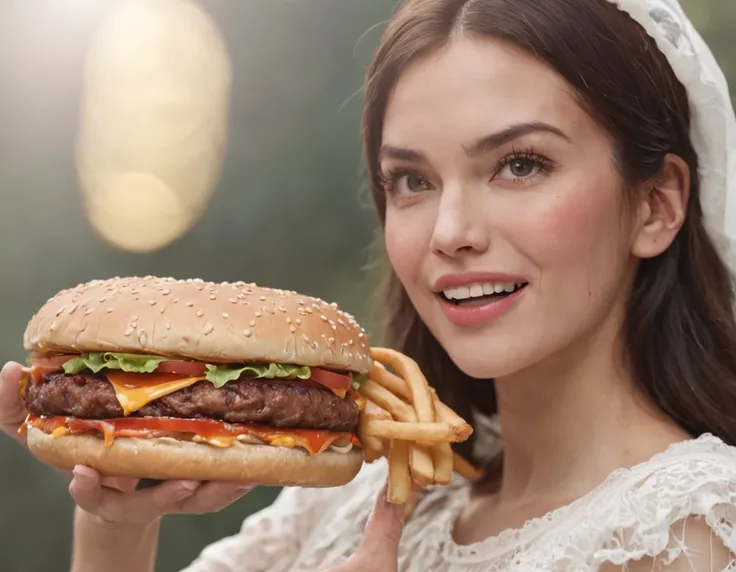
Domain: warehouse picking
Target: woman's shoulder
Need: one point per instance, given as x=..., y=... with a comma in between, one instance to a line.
x=645, y=512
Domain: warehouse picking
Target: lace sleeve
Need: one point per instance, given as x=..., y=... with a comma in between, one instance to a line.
x=268, y=541
x=680, y=518
x=693, y=547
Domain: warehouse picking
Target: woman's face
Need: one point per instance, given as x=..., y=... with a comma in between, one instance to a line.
x=505, y=215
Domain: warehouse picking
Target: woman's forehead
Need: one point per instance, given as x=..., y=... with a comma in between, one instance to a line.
x=473, y=87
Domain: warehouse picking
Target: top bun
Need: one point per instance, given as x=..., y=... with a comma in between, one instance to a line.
x=205, y=321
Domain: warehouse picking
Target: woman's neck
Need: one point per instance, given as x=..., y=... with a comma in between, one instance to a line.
x=571, y=420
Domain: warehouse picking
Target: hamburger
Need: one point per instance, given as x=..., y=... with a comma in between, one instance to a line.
x=169, y=379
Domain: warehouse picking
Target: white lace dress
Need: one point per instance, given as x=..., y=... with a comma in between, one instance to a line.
x=674, y=512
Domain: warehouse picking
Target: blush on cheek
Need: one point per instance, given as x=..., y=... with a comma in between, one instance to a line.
x=406, y=246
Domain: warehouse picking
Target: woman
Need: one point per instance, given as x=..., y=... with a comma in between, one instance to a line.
x=554, y=180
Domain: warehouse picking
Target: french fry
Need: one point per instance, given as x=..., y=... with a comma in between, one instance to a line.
x=465, y=469
x=390, y=381
x=442, y=457
x=421, y=466
x=421, y=432
x=404, y=420
x=421, y=397
x=382, y=397
x=399, y=478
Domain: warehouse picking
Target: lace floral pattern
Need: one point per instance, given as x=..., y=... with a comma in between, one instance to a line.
x=633, y=515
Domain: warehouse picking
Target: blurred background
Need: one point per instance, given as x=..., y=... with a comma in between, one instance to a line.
x=290, y=210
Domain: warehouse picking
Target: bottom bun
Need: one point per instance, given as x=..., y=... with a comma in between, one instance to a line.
x=168, y=458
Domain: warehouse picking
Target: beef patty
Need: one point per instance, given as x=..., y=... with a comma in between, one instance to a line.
x=283, y=404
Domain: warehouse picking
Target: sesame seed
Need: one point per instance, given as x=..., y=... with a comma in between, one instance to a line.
x=288, y=320
x=263, y=298
x=175, y=300
x=282, y=308
x=323, y=318
x=213, y=297
x=306, y=338
x=258, y=314
x=309, y=310
x=252, y=323
x=200, y=313
x=168, y=325
x=109, y=310
x=292, y=329
x=165, y=292
x=190, y=304
x=298, y=321
x=134, y=324
x=208, y=329
x=225, y=314
x=88, y=312
x=142, y=338
x=247, y=333
x=232, y=300
x=152, y=302
x=331, y=340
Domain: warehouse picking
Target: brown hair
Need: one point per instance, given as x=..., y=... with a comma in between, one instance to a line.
x=680, y=332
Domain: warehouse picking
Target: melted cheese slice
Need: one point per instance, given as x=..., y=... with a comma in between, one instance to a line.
x=133, y=396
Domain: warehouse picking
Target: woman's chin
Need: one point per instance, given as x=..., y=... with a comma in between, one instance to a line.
x=486, y=364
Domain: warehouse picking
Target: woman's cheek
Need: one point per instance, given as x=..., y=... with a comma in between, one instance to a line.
x=407, y=245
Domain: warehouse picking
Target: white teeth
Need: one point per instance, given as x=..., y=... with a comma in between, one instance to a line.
x=478, y=290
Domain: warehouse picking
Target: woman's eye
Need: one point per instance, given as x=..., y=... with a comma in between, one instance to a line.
x=416, y=183
x=520, y=168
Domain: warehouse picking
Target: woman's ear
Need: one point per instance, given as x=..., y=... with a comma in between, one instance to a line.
x=661, y=208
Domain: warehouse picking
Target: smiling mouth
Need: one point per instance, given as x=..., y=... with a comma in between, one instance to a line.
x=480, y=294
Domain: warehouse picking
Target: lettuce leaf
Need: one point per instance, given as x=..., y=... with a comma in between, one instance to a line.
x=97, y=361
x=219, y=375
x=358, y=378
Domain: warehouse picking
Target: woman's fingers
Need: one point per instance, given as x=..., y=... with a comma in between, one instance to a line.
x=12, y=409
x=139, y=507
x=213, y=497
x=124, y=484
x=114, y=499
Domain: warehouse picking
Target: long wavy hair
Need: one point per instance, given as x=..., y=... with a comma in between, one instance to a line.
x=680, y=333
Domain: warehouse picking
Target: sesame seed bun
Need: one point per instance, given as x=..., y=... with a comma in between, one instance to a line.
x=168, y=458
x=205, y=321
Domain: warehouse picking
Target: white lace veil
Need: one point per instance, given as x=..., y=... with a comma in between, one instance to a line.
x=713, y=127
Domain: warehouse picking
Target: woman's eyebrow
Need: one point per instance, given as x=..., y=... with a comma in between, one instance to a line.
x=479, y=147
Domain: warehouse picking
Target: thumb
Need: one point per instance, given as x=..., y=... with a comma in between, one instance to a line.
x=12, y=409
x=383, y=530
x=379, y=548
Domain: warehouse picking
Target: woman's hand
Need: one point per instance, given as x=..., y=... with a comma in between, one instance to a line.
x=115, y=500
x=12, y=410
x=379, y=549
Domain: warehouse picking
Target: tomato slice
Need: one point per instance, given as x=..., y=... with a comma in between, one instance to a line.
x=52, y=362
x=337, y=382
x=188, y=368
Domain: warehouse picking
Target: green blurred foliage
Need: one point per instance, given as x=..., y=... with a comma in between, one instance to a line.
x=288, y=212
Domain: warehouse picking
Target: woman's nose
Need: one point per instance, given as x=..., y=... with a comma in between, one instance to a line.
x=459, y=226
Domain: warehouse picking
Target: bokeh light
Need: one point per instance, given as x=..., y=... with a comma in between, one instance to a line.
x=153, y=122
